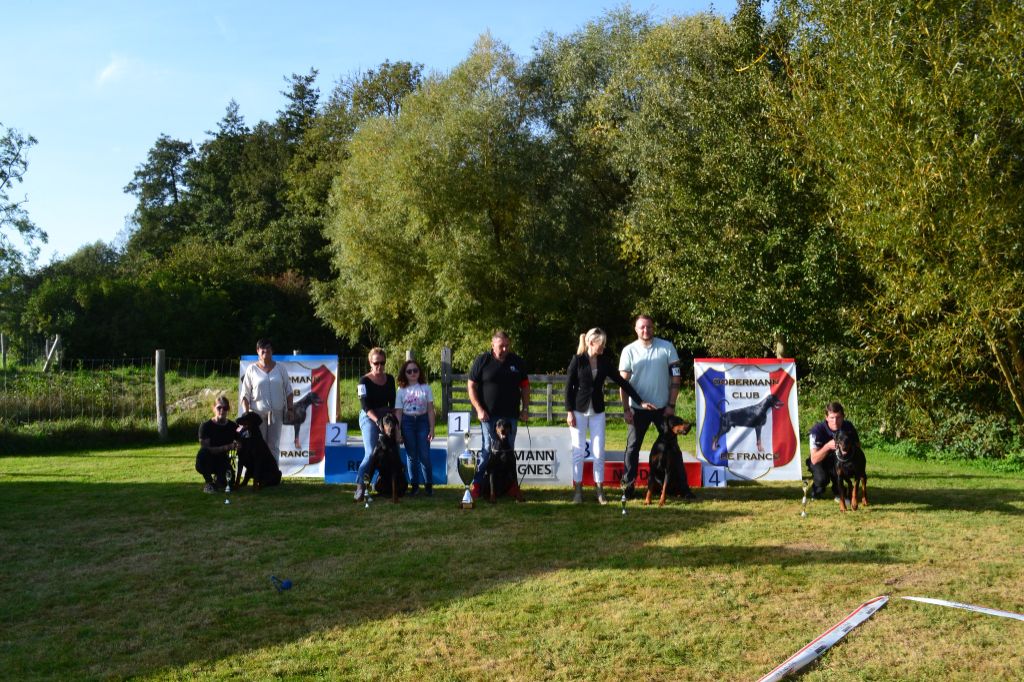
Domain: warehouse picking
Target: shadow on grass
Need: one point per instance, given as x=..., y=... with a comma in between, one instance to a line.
x=881, y=492
x=107, y=579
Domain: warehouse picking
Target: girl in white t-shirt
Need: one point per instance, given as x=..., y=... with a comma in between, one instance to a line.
x=414, y=407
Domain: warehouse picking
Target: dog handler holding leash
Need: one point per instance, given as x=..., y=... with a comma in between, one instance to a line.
x=651, y=365
x=216, y=440
x=376, y=391
x=498, y=384
x=267, y=390
x=584, y=405
x=822, y=462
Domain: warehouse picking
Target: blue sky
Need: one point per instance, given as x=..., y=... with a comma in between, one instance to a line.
x=97, y=82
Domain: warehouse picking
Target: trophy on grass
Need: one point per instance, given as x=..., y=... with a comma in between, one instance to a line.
x=467, y=464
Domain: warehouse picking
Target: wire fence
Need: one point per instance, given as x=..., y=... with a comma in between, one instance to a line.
x=121, y=389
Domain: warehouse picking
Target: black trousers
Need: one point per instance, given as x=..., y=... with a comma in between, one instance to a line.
x=823, y=473
x=213, y=466
x=635, y=432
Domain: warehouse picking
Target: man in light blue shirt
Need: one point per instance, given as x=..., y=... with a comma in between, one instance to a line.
x=651, y=365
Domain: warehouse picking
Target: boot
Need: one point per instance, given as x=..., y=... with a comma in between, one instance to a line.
x=577, y=496
x=600, y=494
x=359, y=493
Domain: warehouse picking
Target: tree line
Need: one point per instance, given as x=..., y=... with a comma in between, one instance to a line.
x=837, y=182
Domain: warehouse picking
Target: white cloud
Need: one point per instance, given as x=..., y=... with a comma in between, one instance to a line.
x=114, y=71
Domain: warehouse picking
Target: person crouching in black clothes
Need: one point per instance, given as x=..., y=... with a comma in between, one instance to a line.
x=822, y=462
x=216, y=440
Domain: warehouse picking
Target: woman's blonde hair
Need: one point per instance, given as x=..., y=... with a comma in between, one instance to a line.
x=585, y=339
x=376, y=351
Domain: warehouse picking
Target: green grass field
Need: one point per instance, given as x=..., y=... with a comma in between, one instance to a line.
x=115, y=565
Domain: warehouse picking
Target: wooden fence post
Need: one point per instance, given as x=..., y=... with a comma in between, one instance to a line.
x=446, y=380
x=3, y=350
x=50, y=352
x=548, y=412
x=161, y=396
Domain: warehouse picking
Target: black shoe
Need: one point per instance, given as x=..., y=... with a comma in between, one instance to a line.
x=415, y=490
x=428, y=490
x=688, y=496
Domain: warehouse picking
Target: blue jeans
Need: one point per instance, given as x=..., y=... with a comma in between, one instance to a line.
x=371, y=434
x=415, y=430
x=487, y=431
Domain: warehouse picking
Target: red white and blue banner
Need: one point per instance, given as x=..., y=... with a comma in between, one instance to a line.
x=747, y=417
x=315, y=397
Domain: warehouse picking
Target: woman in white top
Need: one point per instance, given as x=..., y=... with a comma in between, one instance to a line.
x=414, y=407
x=267, y=390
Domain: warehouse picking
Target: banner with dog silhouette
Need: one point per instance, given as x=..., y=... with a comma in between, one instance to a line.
x=747, y=417
x=303, y=431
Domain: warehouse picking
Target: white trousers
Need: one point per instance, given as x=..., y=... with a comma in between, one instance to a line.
x=594, y=424
x=271, y=430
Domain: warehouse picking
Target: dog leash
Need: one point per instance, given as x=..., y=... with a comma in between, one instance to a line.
x=529, y=437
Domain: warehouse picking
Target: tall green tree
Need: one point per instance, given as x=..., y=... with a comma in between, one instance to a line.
x=303, y=97
x=16, y=259
x=731, y=246
x=162, y=216
x=319, y=157
x=444, y=228
x=586, y=193
x=212, y=173
x=916, y=113
x=14, y=218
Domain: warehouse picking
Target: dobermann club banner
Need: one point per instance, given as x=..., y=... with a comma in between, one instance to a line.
x=747, y=419
x=314, y=400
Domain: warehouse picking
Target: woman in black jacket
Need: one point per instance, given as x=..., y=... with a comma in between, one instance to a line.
x=584, y=405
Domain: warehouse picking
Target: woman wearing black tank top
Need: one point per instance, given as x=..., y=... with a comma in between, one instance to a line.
x=376, y=390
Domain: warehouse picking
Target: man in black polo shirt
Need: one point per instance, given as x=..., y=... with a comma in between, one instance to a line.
x=499, y=388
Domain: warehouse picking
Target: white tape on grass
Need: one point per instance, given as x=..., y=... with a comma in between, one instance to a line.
x=826, y=640
x=968, y=607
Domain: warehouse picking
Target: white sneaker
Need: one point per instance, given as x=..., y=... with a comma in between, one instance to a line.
x=359, y=493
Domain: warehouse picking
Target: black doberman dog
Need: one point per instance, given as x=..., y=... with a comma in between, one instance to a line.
x=500, y=477
x=387, y=462
x=752, y=416
x=851, y=470
x=297, y=416
x=666, y=474
x=254, y=454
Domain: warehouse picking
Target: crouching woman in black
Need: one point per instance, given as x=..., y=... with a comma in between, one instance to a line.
x=216, y=441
